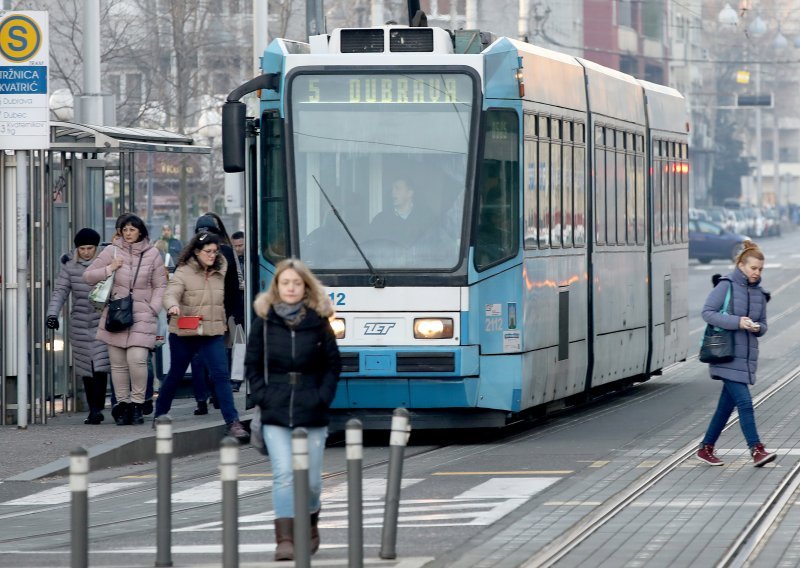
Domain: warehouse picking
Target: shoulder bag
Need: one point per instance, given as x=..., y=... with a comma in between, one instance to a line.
x=120, y=311
x=717, y=345
x=101, y=292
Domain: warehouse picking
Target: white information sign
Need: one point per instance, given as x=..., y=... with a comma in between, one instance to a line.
x=24, y=60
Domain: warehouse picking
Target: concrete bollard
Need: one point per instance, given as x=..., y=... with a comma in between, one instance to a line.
x=79, y=509
x=354, y=439
x=397, y=441
x=229, y=475
x=164, y=491
x=302, y=521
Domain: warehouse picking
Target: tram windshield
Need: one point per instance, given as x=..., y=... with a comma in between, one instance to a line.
x=390, y=151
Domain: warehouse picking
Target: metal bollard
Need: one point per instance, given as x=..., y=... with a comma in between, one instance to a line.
x=164, y=491
x=229, y=475
x=397, y=441
x=354, y=438
x=302, y=520
x=79, y=510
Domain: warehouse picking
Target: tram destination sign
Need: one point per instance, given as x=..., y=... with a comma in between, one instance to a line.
x=24, y=61
x=383, y=88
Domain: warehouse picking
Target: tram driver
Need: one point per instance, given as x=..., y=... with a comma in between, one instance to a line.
x=405, y=221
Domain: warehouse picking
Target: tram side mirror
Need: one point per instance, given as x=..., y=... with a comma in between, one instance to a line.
x=234, y=123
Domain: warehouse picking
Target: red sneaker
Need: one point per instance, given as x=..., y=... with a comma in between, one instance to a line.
x=706, y=454
x=761, y=456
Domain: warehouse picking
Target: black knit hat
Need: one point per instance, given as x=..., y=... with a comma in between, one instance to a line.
x=206, y=223
x=87, y=237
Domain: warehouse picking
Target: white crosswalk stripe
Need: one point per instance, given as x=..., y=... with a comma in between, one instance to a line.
x=61, y=494
x=211, y=492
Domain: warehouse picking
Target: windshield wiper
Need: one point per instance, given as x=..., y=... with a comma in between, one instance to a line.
x=376, y=280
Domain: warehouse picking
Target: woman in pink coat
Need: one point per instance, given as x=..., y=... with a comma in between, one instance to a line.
x=136, y=266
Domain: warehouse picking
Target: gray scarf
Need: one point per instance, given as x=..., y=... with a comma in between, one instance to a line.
x=291, y=313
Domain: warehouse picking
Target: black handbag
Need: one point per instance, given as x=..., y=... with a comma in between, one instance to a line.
x=718, y=344
x=119, y=316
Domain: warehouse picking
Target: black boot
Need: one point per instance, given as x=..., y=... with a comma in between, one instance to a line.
x=97, y=402
x=136, y=414
x=314, y=532
x=202, y=408
x=87, y=390
x=284, y=538
x=122, y=413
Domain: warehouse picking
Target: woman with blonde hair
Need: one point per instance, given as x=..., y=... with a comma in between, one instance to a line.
x=746, y=302
x=293, y=336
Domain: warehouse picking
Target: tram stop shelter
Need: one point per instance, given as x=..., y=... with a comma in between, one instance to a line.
x=87, y=177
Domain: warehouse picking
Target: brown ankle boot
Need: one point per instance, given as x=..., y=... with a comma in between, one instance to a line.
x=314, y=532
x=284, y=536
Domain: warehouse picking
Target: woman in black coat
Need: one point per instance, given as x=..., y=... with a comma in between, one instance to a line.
x=293, y=336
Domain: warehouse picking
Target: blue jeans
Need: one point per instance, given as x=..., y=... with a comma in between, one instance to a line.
x=278, y=440
x=733, y=395
x=212, y=350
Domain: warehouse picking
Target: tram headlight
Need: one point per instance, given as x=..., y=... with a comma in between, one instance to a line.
x=337, y=324
x=433, y=328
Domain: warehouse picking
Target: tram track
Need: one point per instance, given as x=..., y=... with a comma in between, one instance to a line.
x=742, y=547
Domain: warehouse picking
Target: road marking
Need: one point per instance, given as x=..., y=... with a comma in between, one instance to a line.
x=573, y=503
x=481, y=505
x=503, y=487
x=211, y=492
x=61, y=494
x=523, y=472
x=599, y=463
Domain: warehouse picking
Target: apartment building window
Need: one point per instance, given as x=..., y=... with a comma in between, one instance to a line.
x=625, y=13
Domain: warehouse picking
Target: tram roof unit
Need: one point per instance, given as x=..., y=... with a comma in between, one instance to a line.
x=666, y=108
x=614, y=94
x=73, y=137
x=377, y=46
x=539, y=67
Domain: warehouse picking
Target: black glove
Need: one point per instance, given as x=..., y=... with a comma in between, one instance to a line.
x=52, y=322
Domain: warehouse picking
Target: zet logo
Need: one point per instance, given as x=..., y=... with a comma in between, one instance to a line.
x=378, y=328
x=20, y=38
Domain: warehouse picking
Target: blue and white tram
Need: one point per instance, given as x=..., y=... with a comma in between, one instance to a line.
x=502, y=228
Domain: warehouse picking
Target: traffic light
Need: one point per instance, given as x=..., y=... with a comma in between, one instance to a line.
x=754, y=100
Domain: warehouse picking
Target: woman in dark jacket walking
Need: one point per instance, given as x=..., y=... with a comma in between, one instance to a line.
x=89, y=354
x=747, y=307
x=293, y=335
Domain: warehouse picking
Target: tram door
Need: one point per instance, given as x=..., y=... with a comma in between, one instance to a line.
x=78, y=201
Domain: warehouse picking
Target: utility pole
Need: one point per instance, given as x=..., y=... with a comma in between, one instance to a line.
x=315, y=17
x=92, y=99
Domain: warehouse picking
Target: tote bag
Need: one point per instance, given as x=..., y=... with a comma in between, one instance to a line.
x=101, y=292
x=717, y=345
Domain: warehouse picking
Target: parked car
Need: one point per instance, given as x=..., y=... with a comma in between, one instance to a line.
x=708, y=241
x=772, y=225
x=723, y=217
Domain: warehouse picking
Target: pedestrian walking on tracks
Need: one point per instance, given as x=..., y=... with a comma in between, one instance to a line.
x=292, y=365
x=749, y=320
x=195, y=305
x=89, y=354
x=138, y=271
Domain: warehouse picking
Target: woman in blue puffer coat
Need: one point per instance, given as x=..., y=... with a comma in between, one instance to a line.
x=748, y=316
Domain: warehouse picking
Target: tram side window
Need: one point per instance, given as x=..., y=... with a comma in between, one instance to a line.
x=640, y=201
x=657, y=165
x=531, y=194
x=622, y=207
x=566, y=206
x=497, y=234
x=630, y=177
x=580, y=196
x=600, y=195
x=544, y=189
x=556, y=222
x=274, y=221
x=611, y=193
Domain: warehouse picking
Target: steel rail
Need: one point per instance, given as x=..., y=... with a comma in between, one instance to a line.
x=583, y=529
